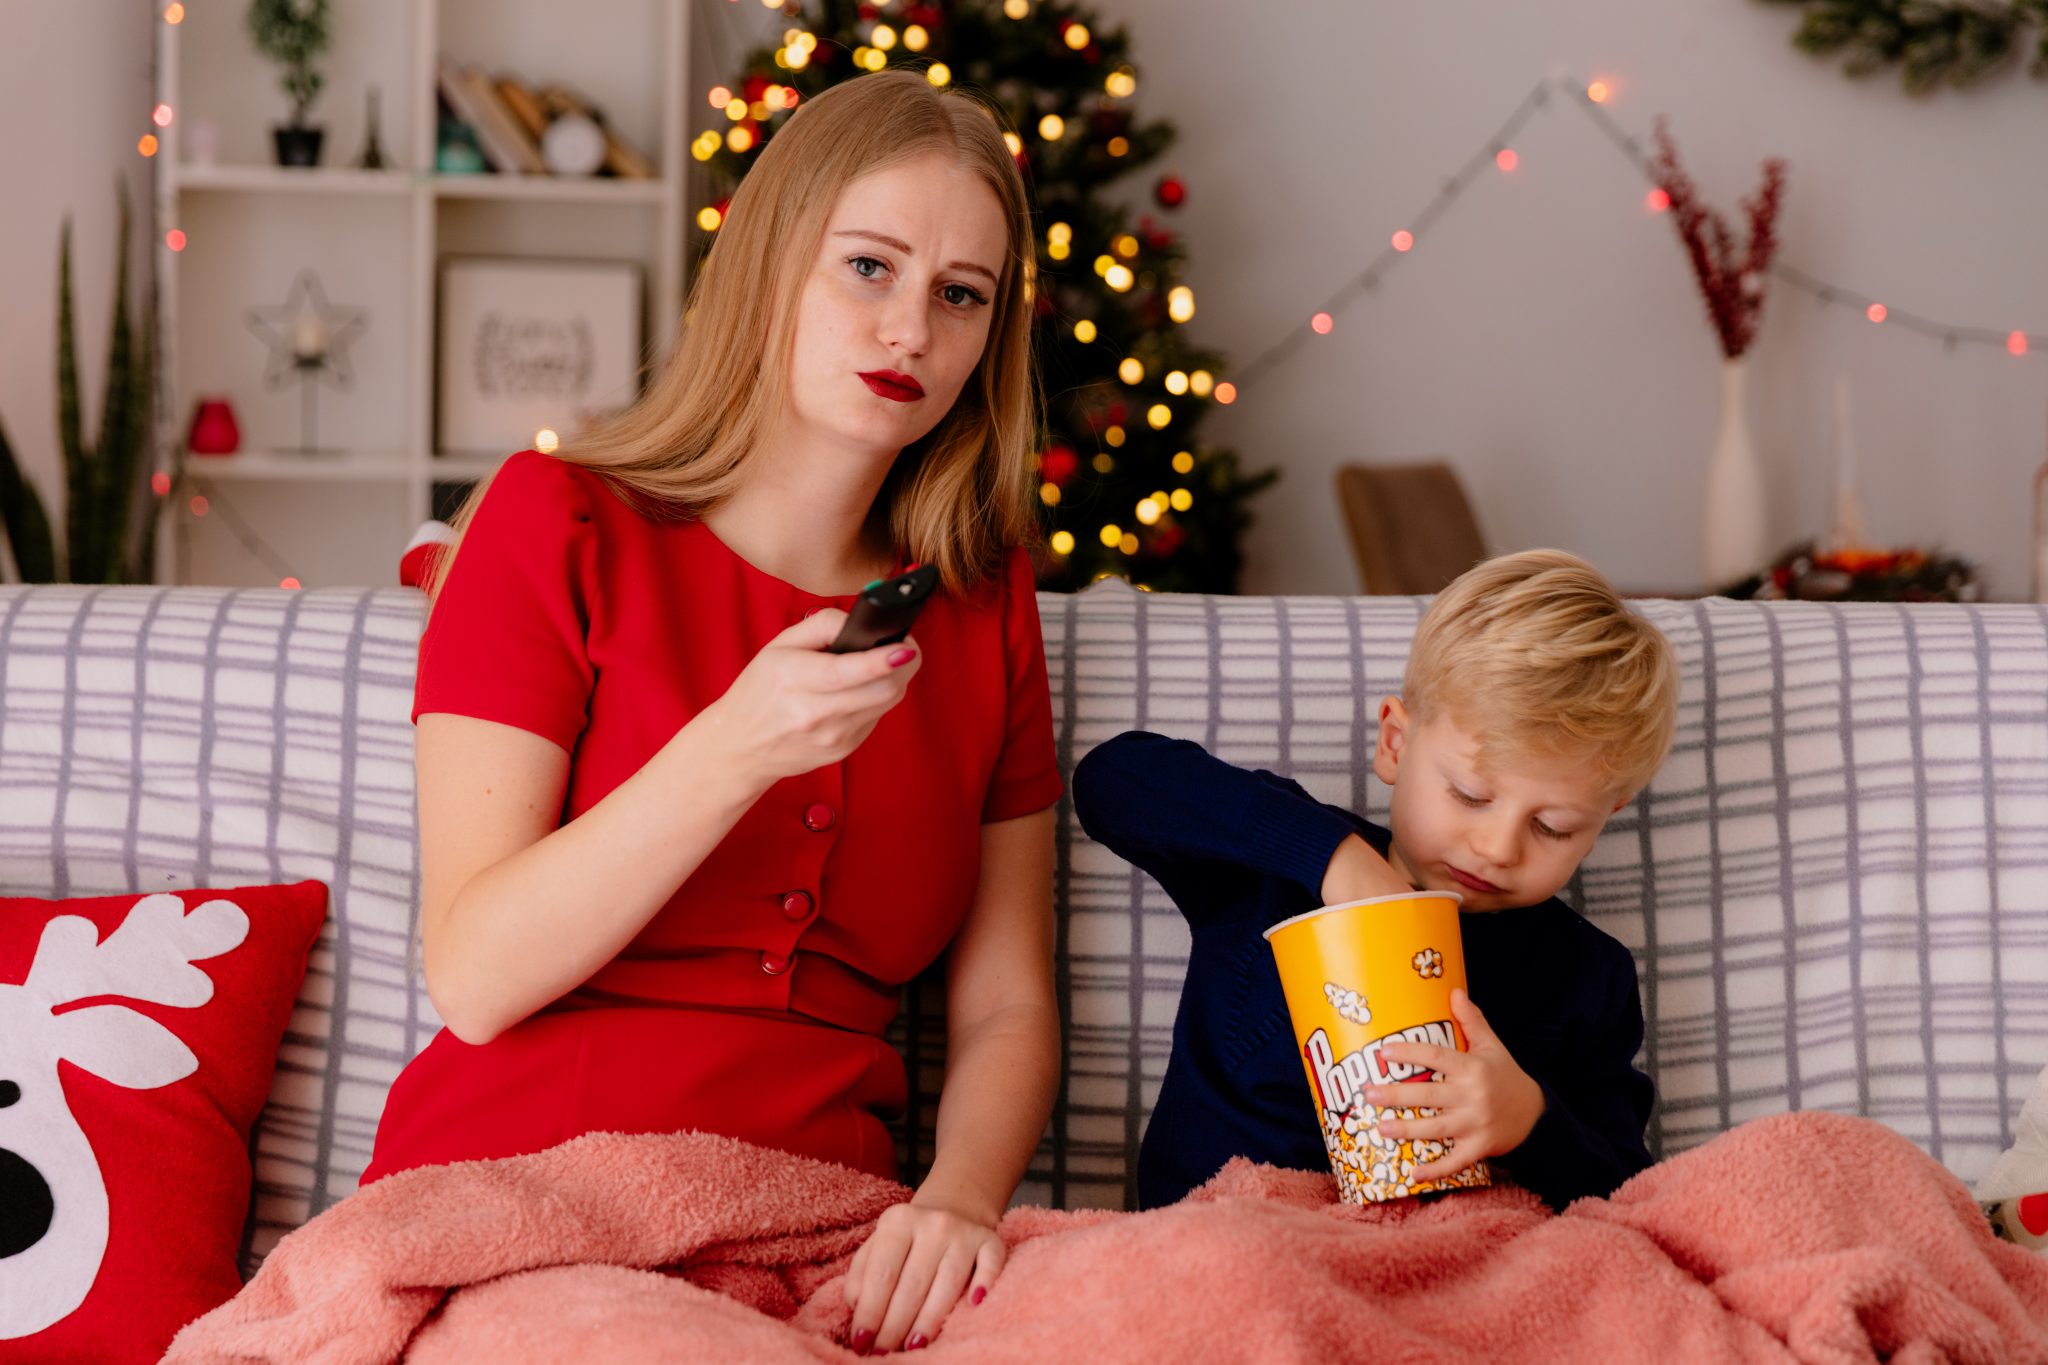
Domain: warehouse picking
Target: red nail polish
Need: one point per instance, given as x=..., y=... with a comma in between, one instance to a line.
x=863, y=1341
x=980, y=1293
x=901, y=657
x=916, y=1342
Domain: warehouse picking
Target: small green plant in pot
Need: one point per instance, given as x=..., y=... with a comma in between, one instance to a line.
x=103, y=542
x=293, y=33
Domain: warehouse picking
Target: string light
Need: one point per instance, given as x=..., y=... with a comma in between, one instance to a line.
x=884, y=37
x=1180, y=303
x=1049, y=494
x=175, y=239
x=1129, y=544
x=1149, y=511
x=1322, y=322
x=546, y=441
x=1112, y=535
x=1125, y=246
x=1121, y=83
x=915, y=38
x=1063, y=542
x=1119, y=145
x=706, y=146
x=1182, y=499
x=876, y=59
x=162, y=116
x=1877, y=312
x=1102, y=462
x=1201, y=383
x=199, y=504
x=1183, y=462
x=1084, y=331
x=1119, y=278
x=739, y=139
x=1589, y=99
x=1113, y=437
x=174, y=13
x=1158, y=416
x=148, y=144
x=720, y=97
x=1016, y=9
x=1052, y=127
x=1132, y=371
x=289, y=584
x=1177, y=383
x=1077, y=36
x=160, y=483
x=709, y=218
x=1014, y=143
x=939, y=74
x=735, y=109
x=1506, y=159
x=1226, y=393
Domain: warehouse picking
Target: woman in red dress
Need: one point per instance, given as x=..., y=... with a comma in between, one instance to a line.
x=677, y=859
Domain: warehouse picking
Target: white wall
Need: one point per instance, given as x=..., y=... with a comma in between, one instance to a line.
x=1547, y=337
x=74, y=98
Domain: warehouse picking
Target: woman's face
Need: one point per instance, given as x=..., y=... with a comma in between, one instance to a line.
x=896, y=308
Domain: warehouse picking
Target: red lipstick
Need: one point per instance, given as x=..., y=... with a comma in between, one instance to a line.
x=889, y=384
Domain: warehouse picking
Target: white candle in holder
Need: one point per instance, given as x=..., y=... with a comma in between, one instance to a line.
x=309, y=337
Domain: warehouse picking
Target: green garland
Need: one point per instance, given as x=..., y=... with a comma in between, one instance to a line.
x=292, y=33
x=1933, y=42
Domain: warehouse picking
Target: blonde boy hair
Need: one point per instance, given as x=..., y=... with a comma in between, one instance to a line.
x=1537, y=658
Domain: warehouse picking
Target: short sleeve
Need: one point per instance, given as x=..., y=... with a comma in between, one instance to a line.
x=507, y=637
x=1027, y=775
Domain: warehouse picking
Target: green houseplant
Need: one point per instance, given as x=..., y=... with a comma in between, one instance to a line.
x=102, y=543
x=293, y=33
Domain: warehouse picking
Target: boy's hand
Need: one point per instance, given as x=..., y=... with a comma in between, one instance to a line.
x=1357, y=872
x=1485, y=1104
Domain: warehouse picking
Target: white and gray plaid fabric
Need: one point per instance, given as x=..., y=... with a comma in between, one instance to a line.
x=1837, y=886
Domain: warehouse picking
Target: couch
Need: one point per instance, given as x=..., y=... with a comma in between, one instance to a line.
x=1836, y=887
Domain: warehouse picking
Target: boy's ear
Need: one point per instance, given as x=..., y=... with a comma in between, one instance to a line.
x=1393, y=740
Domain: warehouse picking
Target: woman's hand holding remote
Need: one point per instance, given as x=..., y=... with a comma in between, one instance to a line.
x=795, y=708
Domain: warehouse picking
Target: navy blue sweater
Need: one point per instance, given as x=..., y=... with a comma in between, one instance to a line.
x=1239, y=851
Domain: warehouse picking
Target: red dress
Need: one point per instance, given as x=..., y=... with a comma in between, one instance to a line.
x=753, y=1003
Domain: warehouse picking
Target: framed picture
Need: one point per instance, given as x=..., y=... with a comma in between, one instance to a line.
x=533, y=345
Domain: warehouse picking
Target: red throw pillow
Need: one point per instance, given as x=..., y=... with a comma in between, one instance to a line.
x=138, y=1035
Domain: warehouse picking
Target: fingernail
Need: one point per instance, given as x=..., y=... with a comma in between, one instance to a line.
x=916, y=1342
x=901, y=657
x=980, y=1293
x=863, y=1341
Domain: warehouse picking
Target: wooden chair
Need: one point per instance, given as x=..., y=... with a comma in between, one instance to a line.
x=1412, y=530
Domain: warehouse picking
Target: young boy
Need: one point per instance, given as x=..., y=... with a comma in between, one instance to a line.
x=1534, y=706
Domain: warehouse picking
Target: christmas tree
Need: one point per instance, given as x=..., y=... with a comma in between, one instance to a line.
x=1124, y=485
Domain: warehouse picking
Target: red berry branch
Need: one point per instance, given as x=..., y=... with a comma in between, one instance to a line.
x=1731, y=280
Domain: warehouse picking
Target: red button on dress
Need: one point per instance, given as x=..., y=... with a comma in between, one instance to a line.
x=572, y=615
x=797, y=905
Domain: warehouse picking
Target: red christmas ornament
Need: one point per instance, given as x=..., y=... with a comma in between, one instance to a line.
x=1170, y=192
x=1042, y=305
x=870, y=11
x=925, y=16
x=1117, y=413
x=1059, y=464
x=1167, y=540
x=753, y=88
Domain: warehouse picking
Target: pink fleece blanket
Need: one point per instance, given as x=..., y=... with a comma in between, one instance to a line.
x=1805, y=1237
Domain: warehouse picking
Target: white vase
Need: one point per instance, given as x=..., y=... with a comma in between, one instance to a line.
x=1733, y=537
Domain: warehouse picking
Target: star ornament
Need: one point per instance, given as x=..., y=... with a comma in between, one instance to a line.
x=306, y=333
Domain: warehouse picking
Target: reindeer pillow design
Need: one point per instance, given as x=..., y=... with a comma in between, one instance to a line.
x=138, y=1036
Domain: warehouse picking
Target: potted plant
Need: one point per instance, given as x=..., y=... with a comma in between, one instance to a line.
x=105, y=539
x=293, y=33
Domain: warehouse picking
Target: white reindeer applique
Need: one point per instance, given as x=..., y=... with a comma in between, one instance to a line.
x=53, y=1199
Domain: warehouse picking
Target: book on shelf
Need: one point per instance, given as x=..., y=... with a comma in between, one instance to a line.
x=622, y=159
x=474, y=100
x=524, y=106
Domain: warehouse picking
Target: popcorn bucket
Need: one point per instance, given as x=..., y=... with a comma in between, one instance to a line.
x=1357, y=976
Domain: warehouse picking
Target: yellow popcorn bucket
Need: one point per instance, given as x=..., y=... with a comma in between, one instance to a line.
x=1357, y=976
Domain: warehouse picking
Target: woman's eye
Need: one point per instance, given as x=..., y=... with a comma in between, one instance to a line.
x=965, y=296
x=859, y=261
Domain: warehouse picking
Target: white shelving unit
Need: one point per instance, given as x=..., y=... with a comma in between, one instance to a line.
x=376, y=237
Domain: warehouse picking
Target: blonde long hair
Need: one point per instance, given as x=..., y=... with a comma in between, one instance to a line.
x=957, y=498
